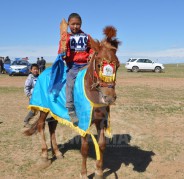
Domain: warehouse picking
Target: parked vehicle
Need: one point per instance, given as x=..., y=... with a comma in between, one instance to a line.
x=140, y=64
x=19, y=67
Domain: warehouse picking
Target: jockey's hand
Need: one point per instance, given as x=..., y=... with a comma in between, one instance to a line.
x=62, y=50
x=62, y=55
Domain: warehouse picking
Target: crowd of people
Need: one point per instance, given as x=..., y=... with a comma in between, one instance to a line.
x=6, y=60
x=2, y=62
x=41, y=64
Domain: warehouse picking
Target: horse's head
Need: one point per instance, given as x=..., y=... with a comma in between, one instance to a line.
x=104, y=65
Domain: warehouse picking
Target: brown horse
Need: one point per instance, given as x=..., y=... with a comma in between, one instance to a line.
x=99, y=84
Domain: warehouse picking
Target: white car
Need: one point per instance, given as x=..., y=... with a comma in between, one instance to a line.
x=141, y=64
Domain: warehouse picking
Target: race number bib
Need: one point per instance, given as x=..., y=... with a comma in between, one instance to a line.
x=78, y=42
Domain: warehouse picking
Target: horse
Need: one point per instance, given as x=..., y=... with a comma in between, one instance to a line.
x=99, y=84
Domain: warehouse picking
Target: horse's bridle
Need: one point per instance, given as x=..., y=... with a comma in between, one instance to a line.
x=97, y=81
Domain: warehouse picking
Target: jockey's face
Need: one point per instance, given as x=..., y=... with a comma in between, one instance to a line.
x=75, y=25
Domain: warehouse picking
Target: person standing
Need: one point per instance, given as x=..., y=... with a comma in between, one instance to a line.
x=28, y=90
x=42, y=64
x=38, y=63
x=1, y=65
x=7, y=60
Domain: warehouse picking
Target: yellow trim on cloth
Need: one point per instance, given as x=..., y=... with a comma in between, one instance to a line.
x=76, y=128
x=70, y=124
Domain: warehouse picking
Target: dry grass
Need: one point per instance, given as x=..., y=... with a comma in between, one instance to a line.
x=147, y=123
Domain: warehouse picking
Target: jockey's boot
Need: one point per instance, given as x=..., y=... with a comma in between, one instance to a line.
x=73, y=116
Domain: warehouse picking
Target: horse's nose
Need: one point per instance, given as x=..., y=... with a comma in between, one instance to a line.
x=109, y=99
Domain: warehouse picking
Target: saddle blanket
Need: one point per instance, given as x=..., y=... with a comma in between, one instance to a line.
x=47, y=101
x=54, y=104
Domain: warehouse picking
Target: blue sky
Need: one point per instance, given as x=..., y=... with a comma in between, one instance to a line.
x=147, y=28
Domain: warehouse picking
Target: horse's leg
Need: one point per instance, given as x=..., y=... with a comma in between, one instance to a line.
x=41, y=129
x=52, y=128
x=84, y=152
x=102, y=145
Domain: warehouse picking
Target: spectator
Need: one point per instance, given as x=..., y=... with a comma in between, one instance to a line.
x=42, y=64
x=1, y=65
x=28, y=90
x=38, y=63
x=7, y=60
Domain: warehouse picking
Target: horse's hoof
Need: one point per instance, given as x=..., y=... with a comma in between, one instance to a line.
x=43, y=159
x=83, y=176
x=43, y=163
x=97, y=176
x=59, y=157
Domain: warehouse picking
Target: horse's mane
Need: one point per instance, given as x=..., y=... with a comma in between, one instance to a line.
x=110, y=41
x=109, y=31
x=110, y=36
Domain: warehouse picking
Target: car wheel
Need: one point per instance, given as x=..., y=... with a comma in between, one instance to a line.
x=157, y=69
x=135, y=69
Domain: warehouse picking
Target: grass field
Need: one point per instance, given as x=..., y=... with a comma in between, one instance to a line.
x=147, y=125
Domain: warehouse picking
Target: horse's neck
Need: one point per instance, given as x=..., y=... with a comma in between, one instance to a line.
x=92, y=94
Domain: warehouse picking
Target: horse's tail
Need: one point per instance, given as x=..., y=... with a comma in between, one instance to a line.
x=32, y=130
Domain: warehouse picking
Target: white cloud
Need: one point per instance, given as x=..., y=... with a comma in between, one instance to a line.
x=50, y=52
x=26, y=51
x=23, y=51
x=171, y=53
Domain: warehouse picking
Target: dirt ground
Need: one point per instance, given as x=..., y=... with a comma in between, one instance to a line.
x=147, y=126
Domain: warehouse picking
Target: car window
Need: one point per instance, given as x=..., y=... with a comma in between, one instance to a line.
x=141, y=60
x=20, y=62
x=23, y=63
x=14, y=63
x=148, y=61
x=132, y=59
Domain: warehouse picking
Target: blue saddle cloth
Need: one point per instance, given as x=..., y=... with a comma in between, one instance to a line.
x=54, y=101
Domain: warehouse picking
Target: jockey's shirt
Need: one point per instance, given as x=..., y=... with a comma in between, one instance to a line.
x=77, y=48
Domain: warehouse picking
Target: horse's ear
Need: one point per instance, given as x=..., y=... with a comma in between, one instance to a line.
x=95, y=45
